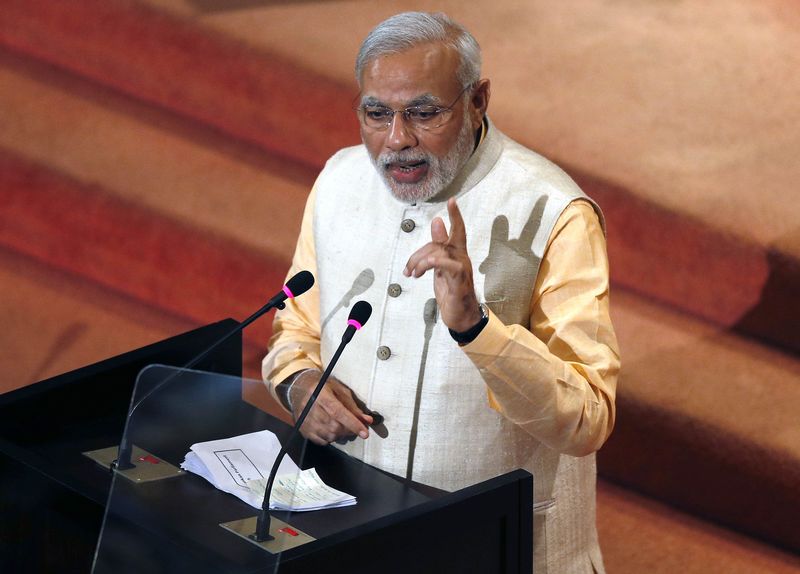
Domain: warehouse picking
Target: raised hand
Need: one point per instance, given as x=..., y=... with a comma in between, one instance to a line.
x=447, y=255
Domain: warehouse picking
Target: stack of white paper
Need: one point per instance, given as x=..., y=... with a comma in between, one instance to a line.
x=240, y=466
x=300, y=492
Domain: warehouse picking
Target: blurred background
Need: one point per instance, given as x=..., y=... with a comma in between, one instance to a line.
x=155, y=156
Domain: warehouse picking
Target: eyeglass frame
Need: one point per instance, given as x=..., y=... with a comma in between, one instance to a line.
x=404, y=111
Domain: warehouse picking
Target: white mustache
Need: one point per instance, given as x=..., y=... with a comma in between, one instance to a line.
x=389, y=158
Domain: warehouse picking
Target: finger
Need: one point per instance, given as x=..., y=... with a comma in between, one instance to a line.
x=316, y=420
x=451, y=268
x=333, y=430
x=321, y=430
x=438, y=231
x=419, y=255
x=458, y=231
x=316, y=439
x=319, y=416
x=328, y=419
x=311, y=431
x=425, y=260
x=441, y=259
x=341, y=414
x=318, y=411
x=346, y=396
x=347, y=419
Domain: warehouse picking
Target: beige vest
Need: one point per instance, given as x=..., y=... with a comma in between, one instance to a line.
x=404, y=364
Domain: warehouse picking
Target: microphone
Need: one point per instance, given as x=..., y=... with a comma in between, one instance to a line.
x=296, y=285
x=359, y=315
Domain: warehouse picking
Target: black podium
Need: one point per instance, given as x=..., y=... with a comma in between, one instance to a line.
x=55, y=502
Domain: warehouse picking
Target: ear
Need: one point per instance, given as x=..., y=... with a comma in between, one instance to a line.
x=479, y=102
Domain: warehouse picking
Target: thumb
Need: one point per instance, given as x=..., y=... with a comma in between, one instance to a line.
x=438, y=231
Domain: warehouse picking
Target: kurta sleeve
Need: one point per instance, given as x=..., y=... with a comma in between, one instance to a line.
x=557, y=380
x=294, y=344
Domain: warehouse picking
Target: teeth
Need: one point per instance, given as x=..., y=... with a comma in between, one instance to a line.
x=408, y=167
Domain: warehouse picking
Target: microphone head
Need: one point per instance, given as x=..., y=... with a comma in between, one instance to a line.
x=299, y=283
x=359, y=314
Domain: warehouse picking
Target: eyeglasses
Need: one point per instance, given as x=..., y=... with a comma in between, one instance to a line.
x=423, y=117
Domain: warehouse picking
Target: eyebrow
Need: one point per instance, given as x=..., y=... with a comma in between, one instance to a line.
x=421, y=100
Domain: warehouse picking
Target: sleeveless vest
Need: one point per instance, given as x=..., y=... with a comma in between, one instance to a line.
x=440, y=427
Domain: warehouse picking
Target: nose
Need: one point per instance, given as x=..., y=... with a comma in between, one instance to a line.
x=399, y=136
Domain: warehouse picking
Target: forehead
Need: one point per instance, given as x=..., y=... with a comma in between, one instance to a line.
x=424, y=70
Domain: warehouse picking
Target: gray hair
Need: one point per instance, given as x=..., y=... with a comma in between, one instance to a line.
x=404, y=31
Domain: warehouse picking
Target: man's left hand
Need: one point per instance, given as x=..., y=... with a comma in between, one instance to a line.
x=452, y=279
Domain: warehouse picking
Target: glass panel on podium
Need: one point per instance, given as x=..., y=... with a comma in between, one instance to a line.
x=162, y=518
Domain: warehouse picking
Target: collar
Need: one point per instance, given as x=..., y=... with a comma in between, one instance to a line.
x=480, y=163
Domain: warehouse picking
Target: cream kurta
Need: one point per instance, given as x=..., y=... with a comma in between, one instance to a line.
x=534, y=388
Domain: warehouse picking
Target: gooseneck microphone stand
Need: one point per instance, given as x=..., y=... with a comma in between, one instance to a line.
x=296, y=285
x=358, y=317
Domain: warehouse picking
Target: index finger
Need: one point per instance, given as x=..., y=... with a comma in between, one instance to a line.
x=339, y=412
x=359, y=410
x=458, y=231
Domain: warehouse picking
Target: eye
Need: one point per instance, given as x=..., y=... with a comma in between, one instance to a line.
x=422, y=114
x=374, y=113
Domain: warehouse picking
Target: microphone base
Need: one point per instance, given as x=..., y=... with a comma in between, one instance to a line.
x=283, y=536
x=146, y=466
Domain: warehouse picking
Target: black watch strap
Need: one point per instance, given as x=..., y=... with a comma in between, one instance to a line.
x=472, y=333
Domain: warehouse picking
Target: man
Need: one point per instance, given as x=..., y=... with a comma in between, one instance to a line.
x=490, y=347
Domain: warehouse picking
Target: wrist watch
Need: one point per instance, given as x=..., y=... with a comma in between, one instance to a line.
x=472, y=333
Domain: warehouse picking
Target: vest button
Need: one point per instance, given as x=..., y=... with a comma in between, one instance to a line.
x=394, y=290
x=408, y=225
x=384, y=352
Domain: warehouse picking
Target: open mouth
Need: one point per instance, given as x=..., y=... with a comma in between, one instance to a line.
x=407, y=167
x=408, y=171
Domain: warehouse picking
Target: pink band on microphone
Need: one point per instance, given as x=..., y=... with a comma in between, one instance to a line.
x=354, y=323
x=289, y=294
